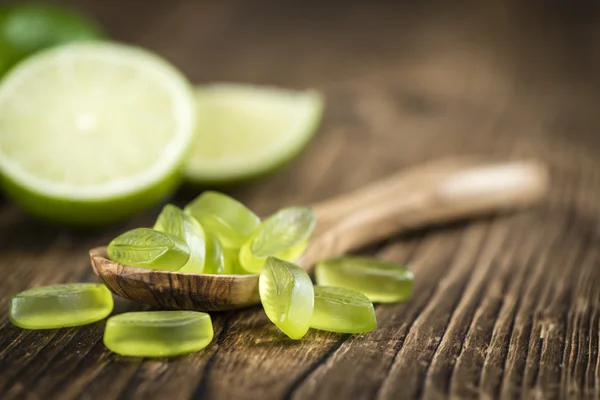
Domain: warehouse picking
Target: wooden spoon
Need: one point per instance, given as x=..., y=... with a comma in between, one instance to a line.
x=435, y=193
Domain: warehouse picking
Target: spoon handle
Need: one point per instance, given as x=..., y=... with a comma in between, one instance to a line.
x=431, y=194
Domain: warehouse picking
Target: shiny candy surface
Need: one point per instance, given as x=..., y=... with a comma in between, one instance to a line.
x=286, y=293
x=228, y=219
x=148, y=248
x=174, y=221
x=215, y=257
x=342, y=310
x=380, y=281
x=59, y=306
x=283, y=235
x=158, y=333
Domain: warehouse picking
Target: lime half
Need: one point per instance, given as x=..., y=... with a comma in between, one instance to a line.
x=90, y=133
x=246, y=131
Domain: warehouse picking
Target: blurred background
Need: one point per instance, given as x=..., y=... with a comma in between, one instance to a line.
x=404, y=81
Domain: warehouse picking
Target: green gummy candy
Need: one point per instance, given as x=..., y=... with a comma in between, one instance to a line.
x=174, y=221
x=59, y=306
x=158, y=333
x=226, y=218
x=286, y=293
x=148, y=248
x=380, y=281
x=342, y=310
x=283, y=235
x=215, y=257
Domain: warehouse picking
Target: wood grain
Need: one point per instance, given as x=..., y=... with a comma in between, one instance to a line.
x=504, y=307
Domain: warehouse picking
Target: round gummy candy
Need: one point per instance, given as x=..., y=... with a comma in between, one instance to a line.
x=342, y=310
x=380, y=281
x=158, y=333
x=59, y=306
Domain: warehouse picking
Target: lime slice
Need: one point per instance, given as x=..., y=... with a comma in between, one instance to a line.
x=28, y=28
x=246, y=131
x=92, y=132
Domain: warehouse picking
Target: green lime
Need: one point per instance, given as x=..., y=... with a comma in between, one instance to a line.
x=26, y=29
x=246, y=131
x=93, y=132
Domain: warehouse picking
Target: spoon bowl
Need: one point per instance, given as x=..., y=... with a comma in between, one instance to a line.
x=176, y=290
x=434, y=193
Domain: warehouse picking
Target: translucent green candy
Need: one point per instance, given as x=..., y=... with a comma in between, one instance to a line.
x=283, y=235
x=224, y=217
x=380, y=281
x=59, y=306
x=342, y=310
x=147, y=248
x=232, y=263
x=286, y=293
x=158, y=333
x=215, y=258
x=174, y=221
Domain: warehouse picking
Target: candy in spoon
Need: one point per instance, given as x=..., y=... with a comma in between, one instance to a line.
x=174, y=221
x=148, y=248
x=283, y=235
x=228, y=219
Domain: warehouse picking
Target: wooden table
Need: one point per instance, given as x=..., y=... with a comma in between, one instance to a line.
x=503, y=307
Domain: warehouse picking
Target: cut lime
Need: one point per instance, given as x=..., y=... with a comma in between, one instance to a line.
x=92, y=132
x=26, y=29
x=245, y=131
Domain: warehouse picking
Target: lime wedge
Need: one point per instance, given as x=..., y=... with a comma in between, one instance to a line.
x=92, y=132
x=246, y=131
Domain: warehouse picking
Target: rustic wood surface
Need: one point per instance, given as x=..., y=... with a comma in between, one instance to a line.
x=503, y=307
